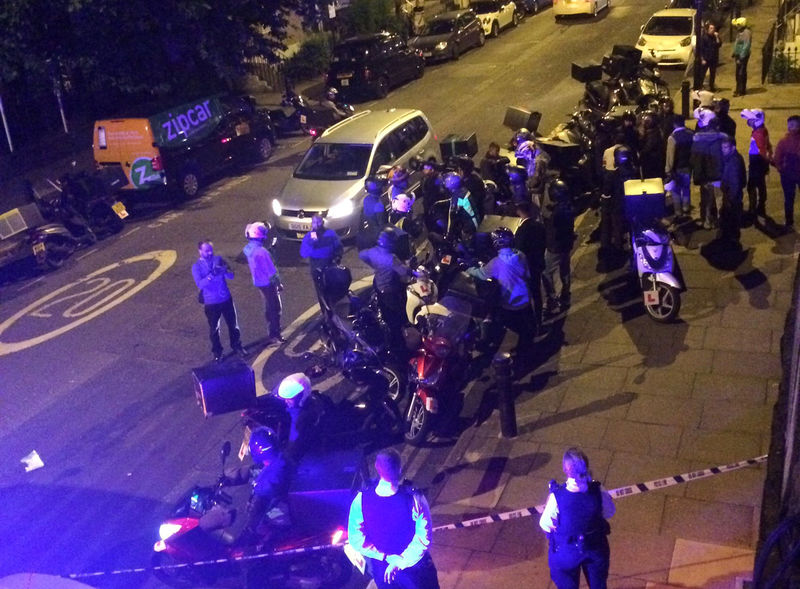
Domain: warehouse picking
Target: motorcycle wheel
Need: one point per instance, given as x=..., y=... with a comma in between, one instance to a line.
x=57, y=252
x=183, y=576
x=396, y=384
x=382, y=87
x=418, y=422
x=264, y=149
x=669, y=304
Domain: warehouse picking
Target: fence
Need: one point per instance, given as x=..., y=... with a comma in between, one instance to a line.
x=271, y=73
x=784, y=67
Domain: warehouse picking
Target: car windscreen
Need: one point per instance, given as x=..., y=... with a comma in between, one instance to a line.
x=334, y=161
x=439, y=27
x=669, y=26
x=484, y=7
x=351, y=52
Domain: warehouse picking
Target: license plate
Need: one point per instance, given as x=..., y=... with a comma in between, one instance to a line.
x=426, y=54
x=651, y=297
x=244, y=449
x=119, y=208
x=305, y=227
x=39, y=248
x=345, y=82
x=303, y=119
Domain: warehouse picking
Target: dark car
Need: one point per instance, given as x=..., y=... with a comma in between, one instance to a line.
x=714, y=11
x=531, y=6
x=447, y=35
x=371, y=64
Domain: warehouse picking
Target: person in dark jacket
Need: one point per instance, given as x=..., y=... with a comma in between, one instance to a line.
x=651, y=148
x=732, y=184
x=612, y=219
x=374, y=215
x=726, y=124
x=322, y=248
x=706, y=162
x=474, y=183
x=574, y=519
x=710, y=43
x=529, y=238
x=787, y=161
x=678, y=167
x=559, y=225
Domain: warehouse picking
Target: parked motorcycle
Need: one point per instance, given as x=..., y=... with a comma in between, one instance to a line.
x=653, y=259
x=300, y=116
x=197, y=530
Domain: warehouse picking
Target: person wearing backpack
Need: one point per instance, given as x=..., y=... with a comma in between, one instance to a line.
x=678, y=167
x=706, y=163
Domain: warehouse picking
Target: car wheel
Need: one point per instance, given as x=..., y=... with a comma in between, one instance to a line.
x=382, y=87
x=535, y=7
x=481, y=39
x=188, y=184
x=264, y=149
x=58, y=249
x=420, y=71
x=495, y=29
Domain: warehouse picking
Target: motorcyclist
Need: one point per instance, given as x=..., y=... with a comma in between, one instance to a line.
x=473, y=183
x=269, y=476
x=510, y=269
x=399, y=179
x=537, y=165
x=520, y=135
x=391, y=276
x=373, y=212
x=305, y=411
x=329, y=102
x=612, y=226
x=460, y=200
x=322, y=247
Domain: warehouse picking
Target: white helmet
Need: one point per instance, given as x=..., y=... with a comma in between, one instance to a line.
x=257, y=230
x=402, y=202
x=704, y=116
x=753, y=116
x=294, y=385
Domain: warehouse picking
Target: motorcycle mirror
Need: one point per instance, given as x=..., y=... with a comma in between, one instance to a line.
x=225, y=451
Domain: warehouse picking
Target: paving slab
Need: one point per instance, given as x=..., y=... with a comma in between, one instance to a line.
x=504, y=571
x=715, y=448
x=740, y=487
x=747, y=364
x=632, y=467
x=670, y=383
x=725, y=416
x=708, y=521
x=738, y=339
x=653, y=557
x=710, y=566
x=746, y=389
x=665, y=410
x=562, y=428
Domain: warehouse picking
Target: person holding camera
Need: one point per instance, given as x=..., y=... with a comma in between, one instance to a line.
x=265, y=278
x=211, y=274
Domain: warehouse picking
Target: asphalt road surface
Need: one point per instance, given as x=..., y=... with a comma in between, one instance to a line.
x=96, y=358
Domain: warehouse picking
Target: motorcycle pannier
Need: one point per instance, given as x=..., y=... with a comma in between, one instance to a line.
x=644, y=200
x=224, y=387
x=458, y=145
x=517, y=118
x=587, y=72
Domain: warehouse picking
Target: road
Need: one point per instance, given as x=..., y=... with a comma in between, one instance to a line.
x=95, y=359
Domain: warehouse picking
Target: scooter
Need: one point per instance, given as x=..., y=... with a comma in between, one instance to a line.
x=653, y=259
x=196, y=531
x=304, y=117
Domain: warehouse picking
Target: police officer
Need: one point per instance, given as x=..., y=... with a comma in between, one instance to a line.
x=373, y=212
x=391, y=276
x=265, y=277
x=390, y=524
x=323, y=248
x=574, y=519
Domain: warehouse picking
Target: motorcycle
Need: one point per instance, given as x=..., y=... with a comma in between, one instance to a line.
x=656, y=267
x=196, y=531
x=299, y=115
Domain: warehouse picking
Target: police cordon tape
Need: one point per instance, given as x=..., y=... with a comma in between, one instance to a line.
x=617, y=493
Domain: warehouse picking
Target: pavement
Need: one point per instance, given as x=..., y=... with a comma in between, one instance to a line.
x=644, y=401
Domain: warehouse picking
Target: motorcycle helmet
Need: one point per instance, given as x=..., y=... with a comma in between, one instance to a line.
x=402, y=203
x=263, y=442
x=704, y=116
x=559, y=190
x=502, y=237
x=374, y=185
x=331, y=94
x=754, y=117
x=622, y=156
x=525, y=150
x=387, y=239
x=257, y=230
x=295, y=386
x=452, y=181
x=317, y=223
x=740, y=22
x=398, y=176
x=607, y=124
x=522, y=135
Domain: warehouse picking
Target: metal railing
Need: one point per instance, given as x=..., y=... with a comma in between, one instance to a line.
x=784, y=67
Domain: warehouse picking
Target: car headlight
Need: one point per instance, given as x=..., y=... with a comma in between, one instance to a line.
x=343, y=209
x=686, y=42
x=641, y=42
x=167, y=530
x=441, y=45
x=276, y=207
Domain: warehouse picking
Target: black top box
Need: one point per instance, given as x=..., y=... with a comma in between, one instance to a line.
x=458, y=145
x=518, y=117
x=587, y=72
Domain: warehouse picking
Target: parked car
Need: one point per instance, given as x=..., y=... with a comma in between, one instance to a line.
x=532, y=6
x=714, y=11
x=570, y=7
x=330, y=178
x=668, y=37
x=373, y=64
x=178, y=148
x=495, y=15
x=448, y=35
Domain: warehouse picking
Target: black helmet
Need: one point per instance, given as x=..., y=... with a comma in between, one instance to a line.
x=375, y=185
x=502, y=237
x=559, y=190
x=387, y=239
x=622, y=155
x=262, y=442
x=517, y=174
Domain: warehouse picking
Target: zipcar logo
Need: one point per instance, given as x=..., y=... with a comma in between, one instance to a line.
x=76, y=303
x=193, y=117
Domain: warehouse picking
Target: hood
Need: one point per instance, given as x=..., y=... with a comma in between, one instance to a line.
x=250, y=247
x=319, y=195
x=429, y=40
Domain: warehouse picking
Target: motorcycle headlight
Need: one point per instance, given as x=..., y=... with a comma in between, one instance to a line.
x=276, y=207
x=441, y=46
x=167, y=530
x=686, y=42
x=641, y=42
x=343, y=209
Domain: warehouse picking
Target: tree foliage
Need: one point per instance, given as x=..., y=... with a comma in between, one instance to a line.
x=371, y=16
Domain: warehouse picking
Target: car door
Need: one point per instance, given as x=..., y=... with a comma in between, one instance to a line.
x=464, y=34
x=404, y=59
x=507, y=10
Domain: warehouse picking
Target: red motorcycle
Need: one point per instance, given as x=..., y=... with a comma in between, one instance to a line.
x=197, y=530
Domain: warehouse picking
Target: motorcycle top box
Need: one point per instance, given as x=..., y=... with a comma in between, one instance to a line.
x=458, y=145
x=587, y=72
x=517, y=117
x=644, y=200
x=224, y=387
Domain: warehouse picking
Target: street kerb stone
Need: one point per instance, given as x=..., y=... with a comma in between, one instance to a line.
x=653, y=554
x=648, y=438
x=741, y=389
x=665, y=411
x=762, y=364
x=671, y=383
x=726, y=416
x=709, y=521
x=608, y=354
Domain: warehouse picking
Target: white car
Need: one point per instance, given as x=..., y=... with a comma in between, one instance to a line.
x=668, y=37
x=495, y=15
x=570, y=7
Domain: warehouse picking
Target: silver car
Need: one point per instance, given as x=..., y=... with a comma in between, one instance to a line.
x=330, y=178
